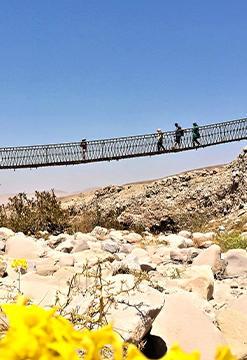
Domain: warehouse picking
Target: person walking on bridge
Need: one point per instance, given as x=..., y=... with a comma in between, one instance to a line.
x=83, y=145
x=178, y=134
x=195, y=134
x=160, y=140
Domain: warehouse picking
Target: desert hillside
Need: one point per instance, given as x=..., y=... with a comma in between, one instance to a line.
x=199, y=196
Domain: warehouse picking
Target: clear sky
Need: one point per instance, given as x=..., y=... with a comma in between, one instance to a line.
x=102, y=69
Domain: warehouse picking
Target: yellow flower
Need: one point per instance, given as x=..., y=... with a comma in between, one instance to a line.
x=134, y=353
x=94, y=341
x=39, y=334
x=223, y=353
x=175, y=353
x=18, y=264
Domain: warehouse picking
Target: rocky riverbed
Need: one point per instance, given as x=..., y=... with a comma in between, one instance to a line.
x=157, y=290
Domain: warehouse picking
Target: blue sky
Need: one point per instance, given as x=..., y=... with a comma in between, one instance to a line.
x=103, y=69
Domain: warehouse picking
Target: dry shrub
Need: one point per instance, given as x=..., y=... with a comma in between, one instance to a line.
x=31, y=216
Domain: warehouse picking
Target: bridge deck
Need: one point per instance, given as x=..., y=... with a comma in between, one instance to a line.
x=118, y=148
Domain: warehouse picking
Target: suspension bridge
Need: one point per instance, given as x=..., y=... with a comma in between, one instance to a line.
x=118, y=148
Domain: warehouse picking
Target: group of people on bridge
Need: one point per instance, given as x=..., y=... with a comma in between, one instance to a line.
x=179, y=133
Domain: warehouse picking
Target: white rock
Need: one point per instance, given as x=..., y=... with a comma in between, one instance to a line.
x=92, y=257
x=236, y=264
x=132, y=238
x=110, y=246
x=66, y=246
x=185, y=233
x=66, y=260
x=79, y=245
x=5, y=233
x=212, y=257
x=181, y=321
x=99, y=231
x=22, y=247
x=85, y=237
x=116, y=234
x=141, y=305
x=178, y=241
x=233, y=326
x=139, y=252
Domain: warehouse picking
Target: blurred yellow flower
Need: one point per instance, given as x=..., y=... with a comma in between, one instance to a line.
x=35, y=333
x=94, y=341
x=224, y=353
x=175, y=353
x=39, y=334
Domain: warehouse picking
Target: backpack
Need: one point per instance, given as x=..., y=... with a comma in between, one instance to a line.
x=182, y=132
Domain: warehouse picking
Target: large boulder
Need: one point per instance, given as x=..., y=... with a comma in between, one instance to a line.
x=132, y=238
x=196, y=299
x=177, y=241
x=5, y=233
x=185, y=233
x=197, y=279
x=55, y=240
x=85, y=237
x=212, y=257
x=236, y=264
x=134, y=309
x=125, y=266
x=184, y=255
x=181, y=321
x=92, y=257
x=99, y=232
x=40, y=289
x=21, y=247
x=116, y=235
x=66, y=260
x=233, y=326
x=199, y=238
x=110, y=246
x=240, y=304
x=139, y=252
x=66, y=246
x=80, y=245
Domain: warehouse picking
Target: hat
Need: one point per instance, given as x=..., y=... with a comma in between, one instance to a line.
x=159, y=130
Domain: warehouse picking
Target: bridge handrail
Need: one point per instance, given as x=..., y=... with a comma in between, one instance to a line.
x=122, y=138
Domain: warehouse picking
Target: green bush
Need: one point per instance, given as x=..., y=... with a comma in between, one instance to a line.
x=231, y=240
x=31, y=216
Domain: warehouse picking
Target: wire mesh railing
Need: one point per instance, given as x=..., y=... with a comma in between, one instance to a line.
x=118, y=148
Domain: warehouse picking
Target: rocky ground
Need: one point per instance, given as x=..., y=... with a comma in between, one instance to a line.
x=157, y=290
x=170, y=204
